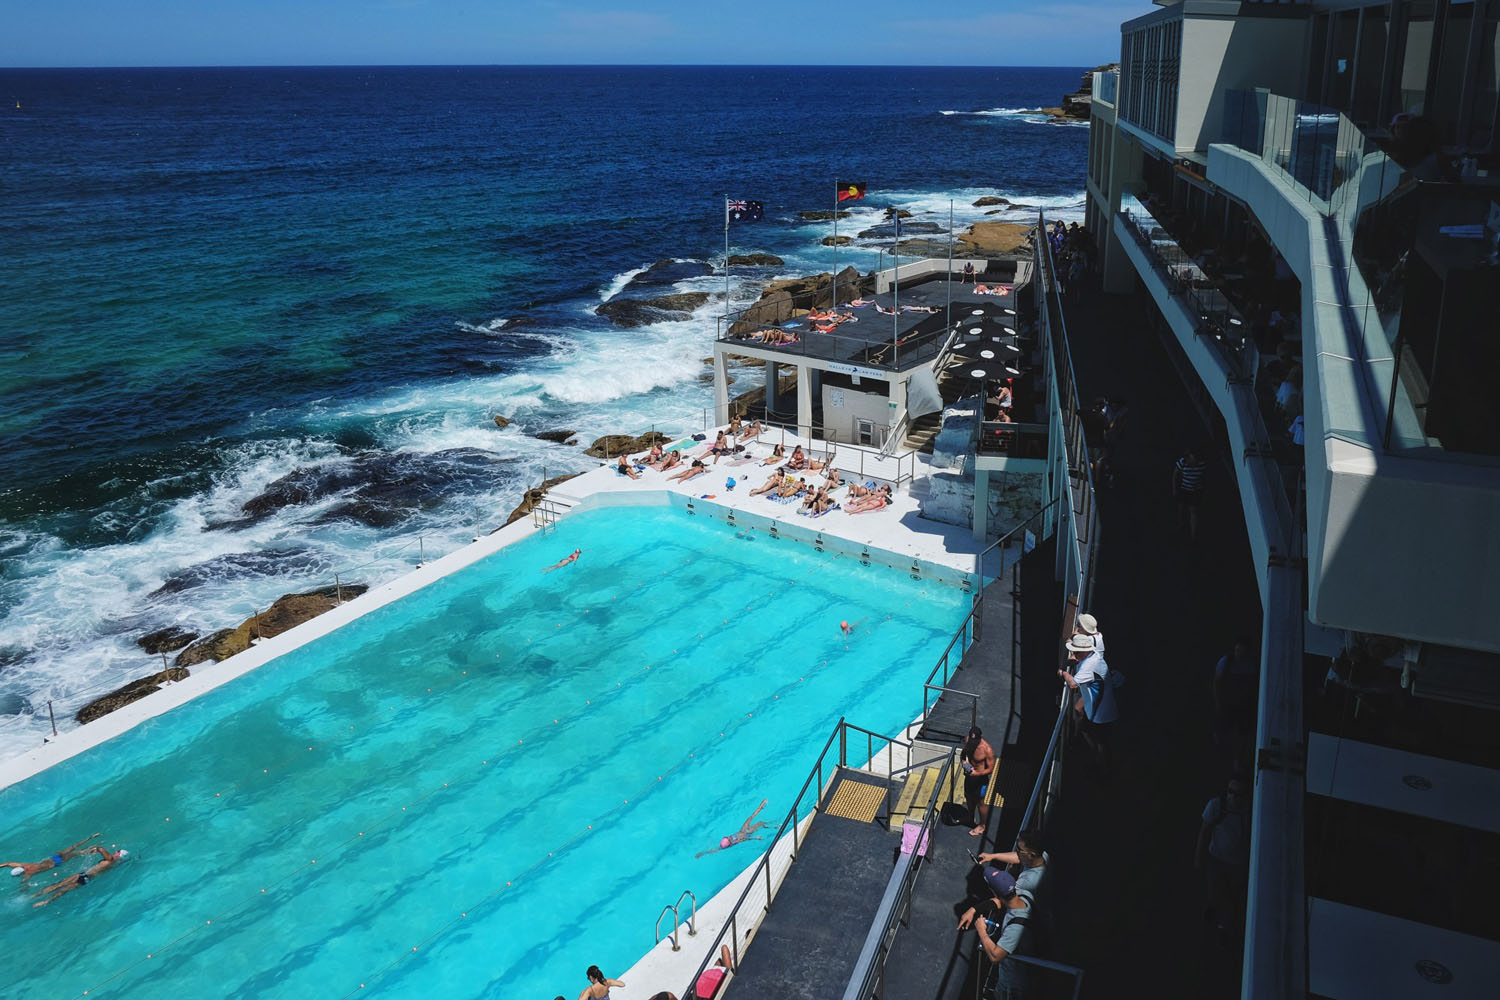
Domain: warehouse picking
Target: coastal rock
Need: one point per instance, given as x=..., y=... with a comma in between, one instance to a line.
x=755, y=260
x=134, y=691
x=989, y=200
x=281, y=560
x=997, y=237
x=783, y=300
x=611, y=445
x=381, y=487
x=561, y=437
x=166, y=640
x=501, y=421
x=837, y=241
x=669, y=272
x=533, y=497
x=288, y=611
x=639, y=312
x=823, y=215
x=895, y=213
x=879, y=232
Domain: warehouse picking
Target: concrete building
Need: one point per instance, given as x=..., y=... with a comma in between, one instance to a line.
x=1307, y=195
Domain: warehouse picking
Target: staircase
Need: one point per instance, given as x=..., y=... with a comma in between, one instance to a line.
x=921, y=432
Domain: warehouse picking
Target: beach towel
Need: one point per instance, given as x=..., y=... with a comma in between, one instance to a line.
x=776, y=498
x=741, y=461
x=866, y=510
x=909, y=833
x=682, y=445
x=809, y=514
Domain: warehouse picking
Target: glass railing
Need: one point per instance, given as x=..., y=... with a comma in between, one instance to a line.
x=1107, y=86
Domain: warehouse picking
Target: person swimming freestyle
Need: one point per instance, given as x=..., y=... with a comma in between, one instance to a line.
x=26, y=869
x=745, y=832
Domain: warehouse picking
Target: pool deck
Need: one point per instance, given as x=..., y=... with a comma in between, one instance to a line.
x=898, y=529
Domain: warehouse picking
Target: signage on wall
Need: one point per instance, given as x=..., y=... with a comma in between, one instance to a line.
x=847, y=369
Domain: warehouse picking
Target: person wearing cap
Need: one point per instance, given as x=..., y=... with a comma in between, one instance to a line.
x=26, y=869
x=978, y=761
x=107, y=860
x=746, y=831
x=1087, y=624
x=1001, y=925
x=1091, y=678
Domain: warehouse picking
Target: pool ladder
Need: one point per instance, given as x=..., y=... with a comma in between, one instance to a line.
x=692, y=922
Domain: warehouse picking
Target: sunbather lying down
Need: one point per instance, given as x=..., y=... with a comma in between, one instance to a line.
x=871, y=501
x=688, y=472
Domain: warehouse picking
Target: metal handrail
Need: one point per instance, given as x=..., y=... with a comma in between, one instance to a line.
x=673, y=933
x=792, y=820
x=1005, y=538
x=869, y=968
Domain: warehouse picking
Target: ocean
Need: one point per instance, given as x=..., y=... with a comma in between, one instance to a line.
x=213, y=280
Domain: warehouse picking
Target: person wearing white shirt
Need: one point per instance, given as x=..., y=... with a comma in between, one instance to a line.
x=1087, y=624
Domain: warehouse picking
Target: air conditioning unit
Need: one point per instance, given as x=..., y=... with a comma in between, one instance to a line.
x=864, y=431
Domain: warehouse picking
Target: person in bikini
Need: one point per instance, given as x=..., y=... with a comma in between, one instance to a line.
x=746, y=831
x=751, y=432
x=26, y=869
x=872, y=500
x=777, y=456
x=798, y=459
x=599, y=985
x=565, y=561
x=107, y=860
x=696, y=469
x=671, y=461
x=774, y=481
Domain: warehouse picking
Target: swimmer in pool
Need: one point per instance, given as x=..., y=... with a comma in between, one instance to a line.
x=25, y=869
x=747, y=829
x=563, y=562
x=107, y=860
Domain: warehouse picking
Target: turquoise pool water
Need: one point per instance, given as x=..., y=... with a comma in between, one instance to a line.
x=478, y=790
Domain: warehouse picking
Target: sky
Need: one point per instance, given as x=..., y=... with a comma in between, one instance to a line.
x=508, y=32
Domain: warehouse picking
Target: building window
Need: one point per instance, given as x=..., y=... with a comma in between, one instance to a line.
x=1482, y=127
x=1368, y=69
x=1416, y=58
x=1452, y=70
x=1341, y=67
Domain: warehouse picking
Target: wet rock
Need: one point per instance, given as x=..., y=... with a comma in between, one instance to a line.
x=235, y=565
x=501, y=422
x=629, y=312
x=822, y=215
x=381, y=487
x=989, y=200
x=611, y=445
x=134, y=691
x=837, y=241
x=895, y=213
x=755, y=260
x=166, y=640
x=561, y=437
x=288, y=611
x=879, y=232
x=669, y=272
x=783, y=300
x=534, y=496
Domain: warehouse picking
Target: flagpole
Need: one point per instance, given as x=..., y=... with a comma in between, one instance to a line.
x=896, y=301
x=835, y=303
x=726, y=257
x=950, y=263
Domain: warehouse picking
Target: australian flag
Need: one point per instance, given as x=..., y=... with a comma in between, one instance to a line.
x=744, y=211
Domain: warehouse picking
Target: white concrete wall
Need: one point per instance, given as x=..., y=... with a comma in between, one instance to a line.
x=1233, y=53
x=873, y=405
x=1396, y=545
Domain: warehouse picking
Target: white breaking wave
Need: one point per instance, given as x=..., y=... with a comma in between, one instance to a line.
x=76, y=612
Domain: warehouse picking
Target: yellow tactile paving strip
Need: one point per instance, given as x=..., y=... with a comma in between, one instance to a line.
x=856, y=800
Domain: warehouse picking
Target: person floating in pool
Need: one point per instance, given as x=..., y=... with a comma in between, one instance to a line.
x=565, y=561
x=27, y=869
x=746, y=831
x=107, y=860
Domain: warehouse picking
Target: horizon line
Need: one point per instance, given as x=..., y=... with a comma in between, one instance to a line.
x=867, y=66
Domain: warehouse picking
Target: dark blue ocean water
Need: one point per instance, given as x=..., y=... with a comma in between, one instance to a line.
x=211, y=279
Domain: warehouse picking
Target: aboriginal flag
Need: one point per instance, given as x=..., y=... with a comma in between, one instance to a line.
x=744, y=211
x=851, y=190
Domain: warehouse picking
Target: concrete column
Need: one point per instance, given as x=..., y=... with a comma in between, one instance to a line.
x=981, y=504
x=772, y=402
x=804, y=401
x=721, y=387
x=897, y=400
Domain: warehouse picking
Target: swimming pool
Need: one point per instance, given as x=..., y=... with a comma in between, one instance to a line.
x=479, y=789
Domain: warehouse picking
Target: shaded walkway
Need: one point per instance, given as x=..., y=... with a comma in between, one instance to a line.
x=1124, y=886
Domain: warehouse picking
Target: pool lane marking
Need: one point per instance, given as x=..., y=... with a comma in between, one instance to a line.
x=396, y=813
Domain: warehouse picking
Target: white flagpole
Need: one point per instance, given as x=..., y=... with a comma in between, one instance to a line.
x=896, y=301
x=835, y=303
x=950, y=263
x=726, y=257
